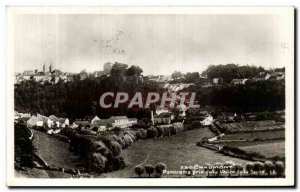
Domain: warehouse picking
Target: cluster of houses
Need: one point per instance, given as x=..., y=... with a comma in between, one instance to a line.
x=54, y=125
x=174, y=87
x=49, y=75
x=160, y=78
x=262, y=76
x=96, y=125
x=105, y=72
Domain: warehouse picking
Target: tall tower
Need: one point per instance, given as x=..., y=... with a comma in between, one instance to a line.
x=107, y=68
x=50, y=67
x=44, y=67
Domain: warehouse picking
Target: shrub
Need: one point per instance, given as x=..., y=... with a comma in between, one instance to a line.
x=207, y=168
x=132, y=134
x=167, y=131
x=115, y=148
x=152, y=132
x=279, y=168
x=229, y=165
x=144, y=133
x=139, y=170
x=149, y=169
x=128, y=140
x=173, y=130
x=160, y=131
x=249, y=167
x=199, y=143
x=100, y=147
x=118, y=162
x=238, y=168
x=258, y=167
x=138, y=135
x=99, y=162
x=159, y=168
x=269, y=167
x=218, y=168
x=121, y=141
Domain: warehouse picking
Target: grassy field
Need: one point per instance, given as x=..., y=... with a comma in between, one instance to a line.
x=175, y=151
x=268, y=149
x=255, y=135
x=53, y=151
x=253, y=126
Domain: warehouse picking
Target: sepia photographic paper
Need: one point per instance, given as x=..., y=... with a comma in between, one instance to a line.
x=150, y=96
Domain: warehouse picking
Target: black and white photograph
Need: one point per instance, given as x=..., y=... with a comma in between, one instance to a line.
x=150, y=96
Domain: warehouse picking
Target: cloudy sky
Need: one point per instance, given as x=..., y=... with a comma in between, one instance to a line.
x=159, y=44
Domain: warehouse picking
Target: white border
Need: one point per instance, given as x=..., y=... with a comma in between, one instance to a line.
x=288, y=181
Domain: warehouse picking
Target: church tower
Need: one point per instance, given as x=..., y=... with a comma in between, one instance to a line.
x=50, y=67
x=44, y=67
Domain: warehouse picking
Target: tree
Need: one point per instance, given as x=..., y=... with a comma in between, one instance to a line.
x=176, y=75
x=159, y=168
x=24, y=149
x=134, y=71
x=269, y=167
x=231, y=71
x=152, y=132
x=218, y=168
x=118, y=69
x=191, y=77
x=258, y=167
x=207, y=168
x=228, y=165
x=279, y=168
x=249, y=168
x=238, y=168
x=139, y=170
x=98, y=162
x=149, y=169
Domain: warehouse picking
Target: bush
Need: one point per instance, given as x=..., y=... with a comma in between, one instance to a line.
x=118, y=162
x=24, y=149
x=167, y=131
x=139, y=170
x=121, y=141
x=132, y=134
x=144, y=133
x=269, y=167
x=152, y=132
x=160, y=131
x=173, y=130
x=100, y=147
x=279, y=168
x=128, y=140
x=149, y=169
x=138, y=135
x=99, y=162
x=159, y=168
x=249, y=167
x=258, y=167
x=115, y=148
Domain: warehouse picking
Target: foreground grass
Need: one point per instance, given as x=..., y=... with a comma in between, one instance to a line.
x=53, y=151
x=268, y=149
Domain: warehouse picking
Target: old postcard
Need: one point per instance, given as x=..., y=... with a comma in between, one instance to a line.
x=150, y=96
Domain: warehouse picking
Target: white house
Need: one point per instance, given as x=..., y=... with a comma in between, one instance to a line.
x=38, y=120
x=207, y=121
x=55, y=121
x=95, y=119
x=64, y=122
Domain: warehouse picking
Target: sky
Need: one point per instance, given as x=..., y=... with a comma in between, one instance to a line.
x=159, y=44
